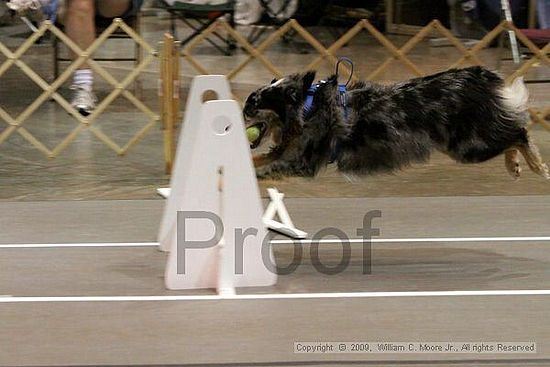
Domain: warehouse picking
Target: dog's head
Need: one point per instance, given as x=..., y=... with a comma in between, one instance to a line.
x=276, y=110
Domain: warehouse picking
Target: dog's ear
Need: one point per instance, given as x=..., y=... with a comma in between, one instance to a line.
x=300, y=85
x=307, y=80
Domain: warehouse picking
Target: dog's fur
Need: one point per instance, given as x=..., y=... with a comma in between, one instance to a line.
x=467, y=114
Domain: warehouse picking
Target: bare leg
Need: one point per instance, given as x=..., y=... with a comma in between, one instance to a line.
x=532, y=156
x=80, y=27
x=79, y=23
x=511, y=160
x=112, y=8
x=80, y=17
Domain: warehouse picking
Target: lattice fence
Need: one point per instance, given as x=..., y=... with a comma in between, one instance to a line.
x=16, y=124
x=169, y=73
x=328, y=55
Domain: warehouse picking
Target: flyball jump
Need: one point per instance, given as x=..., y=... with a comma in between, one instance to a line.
x=212, y=223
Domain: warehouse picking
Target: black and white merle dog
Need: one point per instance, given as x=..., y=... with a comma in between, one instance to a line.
x=468, y=114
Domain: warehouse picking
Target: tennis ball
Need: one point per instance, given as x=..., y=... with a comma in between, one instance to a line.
x=253, y=133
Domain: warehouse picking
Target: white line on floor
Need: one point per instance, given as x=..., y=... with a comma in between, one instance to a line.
x=433, y=239
x=305, y=242
x=243, y=297
x=89, y=244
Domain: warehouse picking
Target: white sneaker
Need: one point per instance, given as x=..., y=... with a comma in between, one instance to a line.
x=84, y=100
x=48, y=7
x=22, y=5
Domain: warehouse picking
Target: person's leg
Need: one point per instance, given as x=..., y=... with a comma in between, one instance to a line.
x=80, y=27
x=113, y=8
x=79, y=22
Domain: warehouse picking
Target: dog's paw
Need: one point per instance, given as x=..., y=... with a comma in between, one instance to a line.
x=514, y=169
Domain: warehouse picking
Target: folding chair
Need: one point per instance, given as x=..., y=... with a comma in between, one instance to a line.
x=199, y=17
x=276, y=14
x=540, y=37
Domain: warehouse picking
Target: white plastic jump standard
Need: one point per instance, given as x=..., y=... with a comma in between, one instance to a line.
x=213, y=173
x=191, y=122
x=277, y=207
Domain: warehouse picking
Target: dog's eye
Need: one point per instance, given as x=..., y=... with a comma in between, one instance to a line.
x=273, y=81
x=251, y=100
x=249, y=110
x=254, y=97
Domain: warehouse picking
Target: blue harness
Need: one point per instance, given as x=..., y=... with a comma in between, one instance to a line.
x=342, y=89
x=342, y=93
x=308, y=104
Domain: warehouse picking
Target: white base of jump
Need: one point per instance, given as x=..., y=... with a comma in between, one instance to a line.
x=164, y=192
x=275, y=207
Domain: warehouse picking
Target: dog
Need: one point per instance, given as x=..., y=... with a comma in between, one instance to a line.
x=468, y=114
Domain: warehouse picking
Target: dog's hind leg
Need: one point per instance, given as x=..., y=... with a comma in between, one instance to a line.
x=511, y=160
x=532, y=156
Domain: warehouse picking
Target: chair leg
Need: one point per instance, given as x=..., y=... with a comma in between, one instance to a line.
x=55, y=58
x=55, y=63
x=256, y=33
x=173, y=29
x=231, y=44
x=138, y=86
x=500, y=51
x=198, y=29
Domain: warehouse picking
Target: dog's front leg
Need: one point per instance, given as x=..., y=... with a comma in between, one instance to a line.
x=264, y=165
x=274, y=171
x=263, y=160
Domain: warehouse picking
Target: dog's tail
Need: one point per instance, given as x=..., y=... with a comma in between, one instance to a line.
x=515, y=96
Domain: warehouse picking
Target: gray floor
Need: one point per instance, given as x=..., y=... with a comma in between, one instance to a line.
x=261, y=332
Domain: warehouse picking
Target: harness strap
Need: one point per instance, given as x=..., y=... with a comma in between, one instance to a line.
x=342, y=96
x=308, y=104
x=342, y=88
